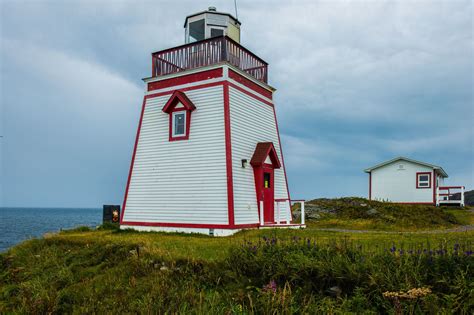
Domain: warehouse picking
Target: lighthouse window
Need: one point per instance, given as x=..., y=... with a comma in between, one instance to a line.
x=179, y=120
x=196, y=31
x=215, y=32
x=266, y=180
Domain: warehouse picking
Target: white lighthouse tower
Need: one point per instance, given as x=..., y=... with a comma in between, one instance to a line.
x=207, y=156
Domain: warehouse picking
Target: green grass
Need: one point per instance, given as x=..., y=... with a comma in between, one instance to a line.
x=362, y=214
x=109, y=271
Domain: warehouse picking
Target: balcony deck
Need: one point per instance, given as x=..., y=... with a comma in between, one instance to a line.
x=206, y=53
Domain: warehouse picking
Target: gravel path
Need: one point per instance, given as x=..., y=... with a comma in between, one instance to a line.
x=462, y=228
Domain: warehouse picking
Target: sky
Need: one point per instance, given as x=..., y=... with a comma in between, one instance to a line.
x=358, y=83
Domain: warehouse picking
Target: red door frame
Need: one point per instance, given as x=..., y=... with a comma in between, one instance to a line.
x=268, y=195
x=269, y=201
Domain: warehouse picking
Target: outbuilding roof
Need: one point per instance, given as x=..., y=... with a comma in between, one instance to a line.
x=435, y=167
x=262, y=150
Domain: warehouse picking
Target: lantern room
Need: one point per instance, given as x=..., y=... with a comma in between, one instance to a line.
x=210, y=23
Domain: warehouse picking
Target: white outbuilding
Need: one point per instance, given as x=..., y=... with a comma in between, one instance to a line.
x=404, y=180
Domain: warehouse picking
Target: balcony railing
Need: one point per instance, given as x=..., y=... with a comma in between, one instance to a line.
x=450, y=195
x=206, y=53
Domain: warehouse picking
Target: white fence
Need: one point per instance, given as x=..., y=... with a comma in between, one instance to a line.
x=282, y=217
x=444, y=195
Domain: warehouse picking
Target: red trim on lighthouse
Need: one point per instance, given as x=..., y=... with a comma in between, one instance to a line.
x=250, y=94
x=185, y=79
x=262, y=151
x=170, y=108
x=133, y=159
x=251, y=85
x=281, y=152
x=191, y=225
x=228, y=154
x=177, y=97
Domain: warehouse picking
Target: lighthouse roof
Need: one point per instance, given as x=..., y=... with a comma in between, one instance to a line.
x=211, y=12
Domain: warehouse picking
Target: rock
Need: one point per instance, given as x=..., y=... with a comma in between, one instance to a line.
x=164, y=268
x=372, y=211
x=334, y=291
x=363, y=205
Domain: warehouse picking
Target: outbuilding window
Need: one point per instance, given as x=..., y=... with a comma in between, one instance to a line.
x=423, y=180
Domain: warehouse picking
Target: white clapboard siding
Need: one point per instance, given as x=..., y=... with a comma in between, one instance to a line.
x=251, y=122
x=181, y=181
x=396, y=182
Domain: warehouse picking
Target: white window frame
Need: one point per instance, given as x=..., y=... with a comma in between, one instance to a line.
x=173, y=121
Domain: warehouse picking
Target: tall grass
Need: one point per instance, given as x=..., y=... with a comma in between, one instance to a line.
x=267, y=275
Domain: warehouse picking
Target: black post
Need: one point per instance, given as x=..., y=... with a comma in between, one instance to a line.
x=111, y=214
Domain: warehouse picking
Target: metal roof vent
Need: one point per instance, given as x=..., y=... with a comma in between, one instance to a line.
x=212, y=9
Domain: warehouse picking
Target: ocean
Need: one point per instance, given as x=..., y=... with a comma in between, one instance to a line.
x=19, y=224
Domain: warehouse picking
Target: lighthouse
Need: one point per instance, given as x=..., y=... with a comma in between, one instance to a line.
x=207, y=156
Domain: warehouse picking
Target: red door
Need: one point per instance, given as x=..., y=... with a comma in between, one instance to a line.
x=268, y=195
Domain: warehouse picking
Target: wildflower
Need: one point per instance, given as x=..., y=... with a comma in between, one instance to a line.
x=393, y=249
x=270, y=287
x=410, y=294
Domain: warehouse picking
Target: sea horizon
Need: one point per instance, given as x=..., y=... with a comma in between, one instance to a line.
x=18, y=224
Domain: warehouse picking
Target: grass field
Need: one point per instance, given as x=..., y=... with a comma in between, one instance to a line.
x=256, y=271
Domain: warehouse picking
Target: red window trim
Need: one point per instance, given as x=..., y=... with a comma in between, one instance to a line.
x=418, y=180
x=170, y=107
x=188, y=125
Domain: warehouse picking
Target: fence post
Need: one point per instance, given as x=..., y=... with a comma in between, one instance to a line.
x=278, y=211
x=261, y=213
x=437, y=196
x=462, y=196
x=288, y=213
x=302, y=212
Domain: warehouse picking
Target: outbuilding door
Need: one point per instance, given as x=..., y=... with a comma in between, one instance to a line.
x=268, y=194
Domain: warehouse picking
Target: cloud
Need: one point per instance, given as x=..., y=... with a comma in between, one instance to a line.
x=68, y=129
x=357, y=83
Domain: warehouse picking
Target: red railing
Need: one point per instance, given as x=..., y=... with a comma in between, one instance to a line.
x=206, y=53
x=449, y=196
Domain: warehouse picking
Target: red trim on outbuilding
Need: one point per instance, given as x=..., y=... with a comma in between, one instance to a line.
x=429, y=180
x=185, y=79
x=370, y=185
x=228, y=155
x=251, y=85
